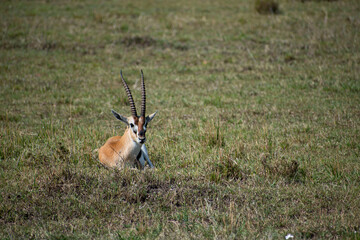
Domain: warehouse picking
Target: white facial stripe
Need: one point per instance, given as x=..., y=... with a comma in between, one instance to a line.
x=133, y=126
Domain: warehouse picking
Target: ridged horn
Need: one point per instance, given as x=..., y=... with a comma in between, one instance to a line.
x=131, y=100
x=143, y=95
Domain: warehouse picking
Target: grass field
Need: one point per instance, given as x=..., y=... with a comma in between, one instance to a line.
x=257, y=134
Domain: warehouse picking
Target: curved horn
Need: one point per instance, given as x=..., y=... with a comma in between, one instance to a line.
x=143, y=95
x=131, y=100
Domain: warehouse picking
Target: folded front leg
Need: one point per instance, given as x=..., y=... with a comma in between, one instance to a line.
x=146, y=155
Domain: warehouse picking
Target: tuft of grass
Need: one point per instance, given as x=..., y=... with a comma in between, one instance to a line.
x=227, y=169
x=280, y=168
x=267, y=7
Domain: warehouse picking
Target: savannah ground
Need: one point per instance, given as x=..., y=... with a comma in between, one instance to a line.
x=257, y=135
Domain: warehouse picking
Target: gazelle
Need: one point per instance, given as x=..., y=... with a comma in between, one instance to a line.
x=129, y=149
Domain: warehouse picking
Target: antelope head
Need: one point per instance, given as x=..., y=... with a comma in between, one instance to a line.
x=137, y=124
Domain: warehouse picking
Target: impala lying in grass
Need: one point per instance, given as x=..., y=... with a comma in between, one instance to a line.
x=129, y=149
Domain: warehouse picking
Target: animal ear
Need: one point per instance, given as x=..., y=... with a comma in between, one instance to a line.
x=119, y=117
x=150, y=117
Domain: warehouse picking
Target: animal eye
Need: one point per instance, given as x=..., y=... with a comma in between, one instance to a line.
x=131, y=125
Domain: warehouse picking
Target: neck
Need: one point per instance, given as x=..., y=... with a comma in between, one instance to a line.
x=130, y=148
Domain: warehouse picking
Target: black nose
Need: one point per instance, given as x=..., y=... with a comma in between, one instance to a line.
x=142, y=133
